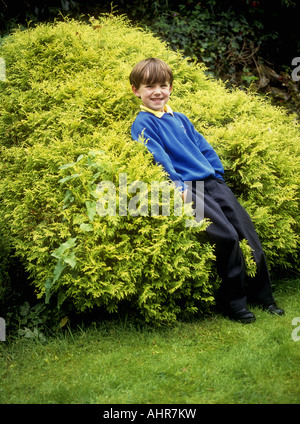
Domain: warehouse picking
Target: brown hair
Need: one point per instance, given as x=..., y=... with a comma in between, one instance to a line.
x=150, y=71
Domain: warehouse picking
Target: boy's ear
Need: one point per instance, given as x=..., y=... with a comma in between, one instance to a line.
x=135, y=91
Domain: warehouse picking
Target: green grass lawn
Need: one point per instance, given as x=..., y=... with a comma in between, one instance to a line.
x=211, y=360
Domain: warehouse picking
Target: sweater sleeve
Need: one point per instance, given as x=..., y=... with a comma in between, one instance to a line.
x=149, y=135
x=207, y=150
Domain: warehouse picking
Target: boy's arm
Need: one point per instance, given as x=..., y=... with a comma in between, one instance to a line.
x=207, y=150
x=210, y=154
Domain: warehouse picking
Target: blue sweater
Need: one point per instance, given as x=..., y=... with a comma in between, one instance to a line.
x=177, y=146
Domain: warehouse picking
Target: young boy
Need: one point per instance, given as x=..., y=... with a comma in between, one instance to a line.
x=187, y=156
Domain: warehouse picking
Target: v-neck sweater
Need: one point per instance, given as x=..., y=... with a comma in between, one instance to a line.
x=175, y=144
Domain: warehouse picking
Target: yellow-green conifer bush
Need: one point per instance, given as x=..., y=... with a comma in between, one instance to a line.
x=66, y=112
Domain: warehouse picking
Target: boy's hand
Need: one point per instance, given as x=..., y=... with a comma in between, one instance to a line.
x=184, y=194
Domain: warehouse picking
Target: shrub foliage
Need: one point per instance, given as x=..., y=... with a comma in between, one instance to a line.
x=66, y=112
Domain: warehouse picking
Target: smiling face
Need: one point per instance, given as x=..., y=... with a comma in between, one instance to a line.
x=151, y=80
x=154, y=96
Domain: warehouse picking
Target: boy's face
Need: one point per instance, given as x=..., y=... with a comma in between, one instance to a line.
x=154, y=96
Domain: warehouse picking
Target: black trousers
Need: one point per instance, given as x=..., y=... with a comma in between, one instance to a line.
x=230, y=224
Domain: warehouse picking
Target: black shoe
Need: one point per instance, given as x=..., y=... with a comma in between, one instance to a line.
x=273, y=309
x=242, y=315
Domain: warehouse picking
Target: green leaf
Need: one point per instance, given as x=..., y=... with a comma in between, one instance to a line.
x=86, y=227
x=67, y=165
x=71, y=242
x=69, y=197
x=48, y=286
x=79, y=158
x=70, y=260
x=69, y=177
x=59, y=267
x=91, y=209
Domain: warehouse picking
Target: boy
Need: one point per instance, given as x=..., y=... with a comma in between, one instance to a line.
x=187, y=156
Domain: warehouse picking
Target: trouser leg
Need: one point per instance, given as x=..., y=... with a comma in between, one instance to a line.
x=230, y=224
